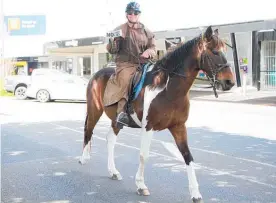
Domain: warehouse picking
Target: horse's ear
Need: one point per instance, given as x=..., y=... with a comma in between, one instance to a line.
x=208, y=33
x=216, y=32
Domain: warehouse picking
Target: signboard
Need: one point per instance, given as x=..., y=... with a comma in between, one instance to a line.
x=71, y=43
x=116, y=33
x=75, y=43
x=244, y=64
x=25, y=25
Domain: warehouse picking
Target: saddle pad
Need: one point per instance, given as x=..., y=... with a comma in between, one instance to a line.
x=137, y=88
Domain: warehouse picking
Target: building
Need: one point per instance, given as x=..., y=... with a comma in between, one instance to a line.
x=255, y=45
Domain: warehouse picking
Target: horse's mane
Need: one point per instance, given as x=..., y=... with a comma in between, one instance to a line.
x=174, y=60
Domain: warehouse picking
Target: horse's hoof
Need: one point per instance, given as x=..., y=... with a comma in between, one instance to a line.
x=116, y=177
x=198, y=200
x=84, y=159
x=144, y=192
x=82, y=162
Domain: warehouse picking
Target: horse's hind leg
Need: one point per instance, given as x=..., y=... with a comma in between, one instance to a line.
x=179, y=133
x=111, y=138
x=92, y=117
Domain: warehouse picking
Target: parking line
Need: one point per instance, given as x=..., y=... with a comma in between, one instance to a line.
x=217, y=153
x=242, y=177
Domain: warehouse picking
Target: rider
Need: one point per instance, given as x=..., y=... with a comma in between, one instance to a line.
x=135, y=46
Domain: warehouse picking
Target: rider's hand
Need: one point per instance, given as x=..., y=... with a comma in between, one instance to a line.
x=145, y=54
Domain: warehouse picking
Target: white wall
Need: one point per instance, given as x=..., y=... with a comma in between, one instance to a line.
x=67, y=19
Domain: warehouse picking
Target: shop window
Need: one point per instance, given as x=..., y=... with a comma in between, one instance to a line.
x=87, y=66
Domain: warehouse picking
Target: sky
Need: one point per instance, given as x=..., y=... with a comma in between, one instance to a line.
x=67, y=19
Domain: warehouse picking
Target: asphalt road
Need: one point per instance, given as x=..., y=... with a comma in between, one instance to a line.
x=39, y=164
x=234, y=147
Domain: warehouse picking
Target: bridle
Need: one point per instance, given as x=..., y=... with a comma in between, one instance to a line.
x=214, y=68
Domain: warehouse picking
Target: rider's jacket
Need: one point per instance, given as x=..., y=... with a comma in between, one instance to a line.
x=134, y=41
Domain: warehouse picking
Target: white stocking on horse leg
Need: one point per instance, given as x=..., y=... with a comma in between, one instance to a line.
x=144, y=155
x=111, y=141
x=85, y=153
x=146, y=137
x=179, y=133
x=193, y=184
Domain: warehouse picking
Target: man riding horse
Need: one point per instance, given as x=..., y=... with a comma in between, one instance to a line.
x=134, y=47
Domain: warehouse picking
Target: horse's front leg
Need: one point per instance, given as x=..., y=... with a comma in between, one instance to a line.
x=146, y=137
x=111, y=139
x=179, y=133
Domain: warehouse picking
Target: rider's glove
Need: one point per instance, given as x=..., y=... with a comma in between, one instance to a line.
x=114, y=45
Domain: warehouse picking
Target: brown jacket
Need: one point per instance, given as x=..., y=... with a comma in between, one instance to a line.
x=134, y=41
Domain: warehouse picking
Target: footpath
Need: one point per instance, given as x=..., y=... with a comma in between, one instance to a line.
x=236, y=95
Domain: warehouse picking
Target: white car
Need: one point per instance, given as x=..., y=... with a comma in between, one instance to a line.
x=57, y=87
x=18, y=84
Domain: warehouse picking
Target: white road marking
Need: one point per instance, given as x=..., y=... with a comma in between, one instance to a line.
x=214, y=152
x=215, y=171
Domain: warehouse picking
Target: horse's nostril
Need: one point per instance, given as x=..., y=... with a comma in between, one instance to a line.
x=229, y=82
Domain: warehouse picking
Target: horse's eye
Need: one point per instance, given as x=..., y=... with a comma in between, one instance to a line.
x=215, y=52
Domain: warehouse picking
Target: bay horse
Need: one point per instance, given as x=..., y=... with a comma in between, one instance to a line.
x=162, y=103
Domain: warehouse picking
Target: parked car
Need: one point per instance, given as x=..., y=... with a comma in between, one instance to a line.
x=46, y=88
x=18, y=84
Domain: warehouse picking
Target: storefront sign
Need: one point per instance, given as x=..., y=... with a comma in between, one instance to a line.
x=73, y=43
x=25, y=25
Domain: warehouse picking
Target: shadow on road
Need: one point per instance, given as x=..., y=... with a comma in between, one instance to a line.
x=39, y=164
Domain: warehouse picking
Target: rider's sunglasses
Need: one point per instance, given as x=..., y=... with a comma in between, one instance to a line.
x=133, y=12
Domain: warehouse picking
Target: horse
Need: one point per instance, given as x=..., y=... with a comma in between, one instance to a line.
x=161, y=103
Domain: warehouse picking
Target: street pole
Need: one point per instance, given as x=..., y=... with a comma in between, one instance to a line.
x=2, y=33
x=236, y=62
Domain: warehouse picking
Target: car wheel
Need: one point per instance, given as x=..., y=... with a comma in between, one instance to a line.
x=20, y=92
x=43, y=96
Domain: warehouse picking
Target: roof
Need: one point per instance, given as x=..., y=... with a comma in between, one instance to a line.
x=223, y=29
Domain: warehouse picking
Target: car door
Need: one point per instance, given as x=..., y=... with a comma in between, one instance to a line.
x=71, y=88
x=79, y=88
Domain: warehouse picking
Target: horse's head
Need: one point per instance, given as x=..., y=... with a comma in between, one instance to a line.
x=213, y=61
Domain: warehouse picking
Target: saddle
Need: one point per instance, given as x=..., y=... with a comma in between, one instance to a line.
x=137, y=81
x=136, y=85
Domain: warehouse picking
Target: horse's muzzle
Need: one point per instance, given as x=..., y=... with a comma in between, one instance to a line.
x=227, y=84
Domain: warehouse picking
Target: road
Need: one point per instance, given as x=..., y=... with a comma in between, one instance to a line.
x=41, y=144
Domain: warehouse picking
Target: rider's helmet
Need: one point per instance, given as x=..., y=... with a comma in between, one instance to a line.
x=133, y=6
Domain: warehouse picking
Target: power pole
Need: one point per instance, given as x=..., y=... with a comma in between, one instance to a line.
x=2, y=36
x=236, y=61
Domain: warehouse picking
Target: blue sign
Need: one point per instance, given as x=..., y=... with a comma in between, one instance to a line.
x=25, y=25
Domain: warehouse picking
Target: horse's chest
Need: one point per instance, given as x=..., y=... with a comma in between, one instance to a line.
x=163, y=113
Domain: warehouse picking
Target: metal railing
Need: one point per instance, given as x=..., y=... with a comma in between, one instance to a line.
x=268, y=65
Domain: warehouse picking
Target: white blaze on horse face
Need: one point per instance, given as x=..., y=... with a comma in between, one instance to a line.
x=146, y=137
x=111, y=139
x=193, y=184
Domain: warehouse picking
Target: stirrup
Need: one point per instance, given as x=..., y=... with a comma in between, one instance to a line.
x=122, y=120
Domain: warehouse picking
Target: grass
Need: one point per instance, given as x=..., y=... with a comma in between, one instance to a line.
x=4, y=93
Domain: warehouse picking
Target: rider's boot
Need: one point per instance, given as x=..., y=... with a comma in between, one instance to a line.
x=122, y=117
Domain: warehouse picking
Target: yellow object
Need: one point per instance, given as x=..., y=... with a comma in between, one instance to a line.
x=21, y=63
x=14, y=24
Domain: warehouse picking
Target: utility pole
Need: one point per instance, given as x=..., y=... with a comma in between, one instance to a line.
x=236, y=61
x=2, y=33
x=2, y=39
